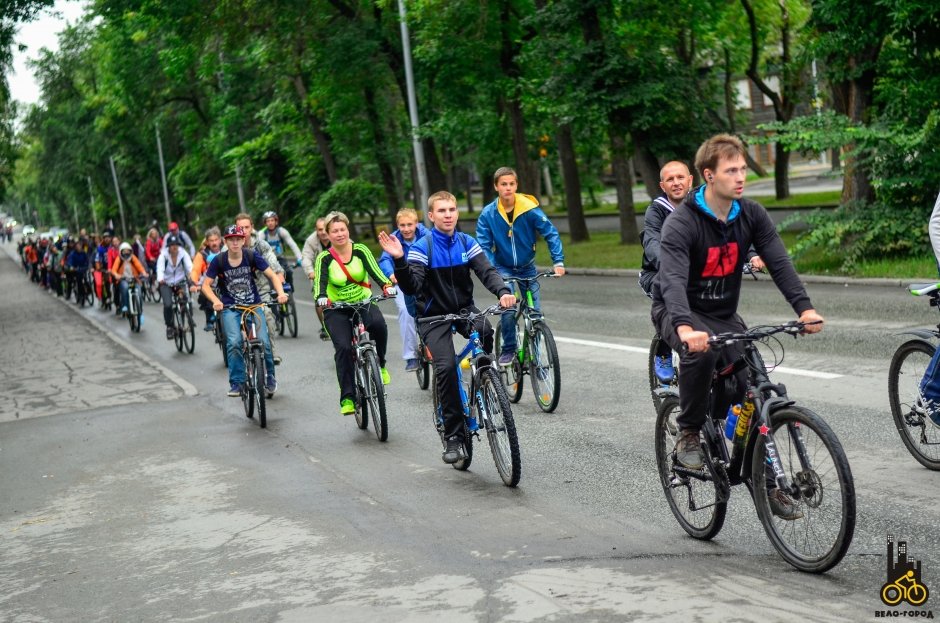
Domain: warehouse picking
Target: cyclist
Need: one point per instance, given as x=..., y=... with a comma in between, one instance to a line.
x=173, y=269
x=187, y=242
x=77, y=264
x=930, y=384
x=699, y=284
x=152, y=248
x=276, y=236
x=436, y=272
x=253, y=242
x=409, y=231
x=342, y=274
x=211, y=246
x=507, y=231
x=313, y=246
x=126, y=267
x=235, y=270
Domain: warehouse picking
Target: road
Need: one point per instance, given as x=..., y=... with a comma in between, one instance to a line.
x=134, y=489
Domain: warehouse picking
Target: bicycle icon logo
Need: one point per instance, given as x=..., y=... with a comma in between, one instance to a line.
x=904, y=581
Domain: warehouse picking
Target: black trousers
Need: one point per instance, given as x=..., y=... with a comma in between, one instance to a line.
x=166, y=296
x=439, y=339
x=697, y=369
x=339, y=324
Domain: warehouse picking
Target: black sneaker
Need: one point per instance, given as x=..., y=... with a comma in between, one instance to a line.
x=782, y=505
x=689, y=449
x=454, y=451
x=170, y=333
x=324, y=336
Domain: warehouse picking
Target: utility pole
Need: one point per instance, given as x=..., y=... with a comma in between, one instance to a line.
x=166, y=193
x=117, y=190
x=91, y=199
x=420, y=165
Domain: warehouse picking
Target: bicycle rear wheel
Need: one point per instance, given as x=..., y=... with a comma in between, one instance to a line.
x=695, y=503
x=821, y=488
x=512, y=374
x=375, y=394
x=917, y=429
x=655, y=383
x=545, y=368
x=257, y=355
x=496, y=416
x=188, y=328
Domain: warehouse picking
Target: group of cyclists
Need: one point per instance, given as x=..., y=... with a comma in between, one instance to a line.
x=695, y=243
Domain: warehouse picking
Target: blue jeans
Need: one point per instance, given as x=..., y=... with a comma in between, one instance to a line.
x=231, y=321
x=930, y=384
x=123, y=285
x=507, y=322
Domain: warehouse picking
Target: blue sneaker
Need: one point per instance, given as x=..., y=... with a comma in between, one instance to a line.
x=664, y=369
x=270, y=385
x=235, y=390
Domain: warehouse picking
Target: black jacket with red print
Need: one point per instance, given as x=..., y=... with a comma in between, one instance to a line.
x=701, y=258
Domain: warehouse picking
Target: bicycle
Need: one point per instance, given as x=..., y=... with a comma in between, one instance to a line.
x=485, y=402
x=915, y=593
x=657, y=386
x=285, y=314
x=370, y=390
x=149, y=288
x=776, y=444
x=424, y=371
x=218, y=334
x=253, y=392
x=536, y=354
x=919, y=432
x=135, y=306
x=184, y=329
x=87, y=292
x=103, y=287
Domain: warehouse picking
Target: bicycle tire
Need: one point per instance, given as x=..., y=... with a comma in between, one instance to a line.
x=362, y=406
x=495, y=413
x=259, y=393
x=423, y=373
x=905, y=373
x=247, y=391
x=278, y=311
x=291, y=317
x=375, y=395
x=544, y=363
x=655, y=383
x=178, y=328
x=806, y=543
x=511, y=375
x=706, y=521
x=189, y=331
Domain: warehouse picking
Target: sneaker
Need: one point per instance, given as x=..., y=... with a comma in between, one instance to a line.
x=411, y=365
x=123, y=309
x=347, y=406
x=386, y=377
x=170, y=333
x=277, y=360
x=505, y=359
x=689, y=449
x=270, y=385
x=209, y=328
x=455, y=451
x=324, y=336
x=235, y=390
x=665, y=372
x=782, y=505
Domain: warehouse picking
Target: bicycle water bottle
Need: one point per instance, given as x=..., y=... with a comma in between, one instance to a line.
x=744, y=419
x=731, y=421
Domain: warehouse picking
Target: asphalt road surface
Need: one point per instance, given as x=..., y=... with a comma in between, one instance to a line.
x=133, y=489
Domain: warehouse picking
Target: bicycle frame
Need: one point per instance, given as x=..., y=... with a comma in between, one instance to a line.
x=527, y=311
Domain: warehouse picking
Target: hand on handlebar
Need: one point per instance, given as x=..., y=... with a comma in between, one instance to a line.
x=559, y=271
x=282, y=297
x=323, y=302
x=390, y=291
x=813, y=321
x=695, y=341
x=507, y=300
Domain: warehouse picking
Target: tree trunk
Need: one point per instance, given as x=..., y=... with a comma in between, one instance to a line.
x=381, y=154
x=781, y=170
x=647, y=164
x=577, y=226
x=469, y=179
x=623, y=179
x=316, y=127
x=436, y=178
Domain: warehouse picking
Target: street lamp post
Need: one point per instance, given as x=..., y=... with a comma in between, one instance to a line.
x=166, y=193
x=420, y=165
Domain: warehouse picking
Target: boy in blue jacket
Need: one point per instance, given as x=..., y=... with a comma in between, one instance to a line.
x=507, y=231
x=409, y=231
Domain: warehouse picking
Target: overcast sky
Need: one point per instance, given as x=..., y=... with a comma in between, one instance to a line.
x=41, y=33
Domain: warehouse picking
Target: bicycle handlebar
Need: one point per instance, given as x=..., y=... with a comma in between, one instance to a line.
x=527, y=279
x=794, y=328
x=360, y=304
x=492, y=310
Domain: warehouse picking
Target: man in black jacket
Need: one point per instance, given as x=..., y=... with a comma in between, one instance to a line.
x=437, y=273
x=696, y=294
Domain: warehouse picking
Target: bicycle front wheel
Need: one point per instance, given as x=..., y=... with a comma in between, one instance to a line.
x=258, y=397
x=918, y=431
x=362, y=405
x=177, y=328
x=821, y=488
x=291, y=317
x=189, y=331
x=423, y=373
x=496, y=415
x=279, y=319
x=248, y=387
x=695, y=502
x=375, y=394
x=545, y=368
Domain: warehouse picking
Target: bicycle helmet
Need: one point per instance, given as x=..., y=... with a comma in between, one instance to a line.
x=269, y=214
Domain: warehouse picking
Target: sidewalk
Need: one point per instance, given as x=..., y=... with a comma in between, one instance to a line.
x=54, y=360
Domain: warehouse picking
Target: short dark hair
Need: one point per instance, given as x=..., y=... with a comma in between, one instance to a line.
x=501, y=171
x=718, y=147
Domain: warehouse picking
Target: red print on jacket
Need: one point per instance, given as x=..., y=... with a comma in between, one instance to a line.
x=721, y=260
